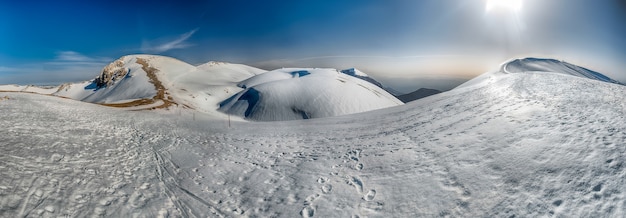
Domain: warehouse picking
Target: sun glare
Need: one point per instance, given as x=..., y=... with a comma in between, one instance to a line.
x=504, y=5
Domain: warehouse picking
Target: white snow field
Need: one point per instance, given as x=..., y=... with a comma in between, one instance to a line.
x=528, y=144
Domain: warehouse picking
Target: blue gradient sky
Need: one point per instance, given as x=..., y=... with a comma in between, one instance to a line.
x=405, y=43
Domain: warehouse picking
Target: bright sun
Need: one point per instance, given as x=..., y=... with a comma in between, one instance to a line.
x=504, y=5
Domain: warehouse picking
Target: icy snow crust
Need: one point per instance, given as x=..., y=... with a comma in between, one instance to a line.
x=295, y=93
x=506, y=145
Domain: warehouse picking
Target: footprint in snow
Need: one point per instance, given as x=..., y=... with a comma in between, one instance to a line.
x=371, y=194
x=358, y=166
x=310, y=199
x=307, y=211
x=327, y=188
x=357, y=183
x=322, y=180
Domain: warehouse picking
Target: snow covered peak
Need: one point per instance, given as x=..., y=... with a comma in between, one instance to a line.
x=303, y=93
x=353, y=72
x=276, y=75
x=553, y=66
x=359, y=74
x=153, y=81
x=212, y=64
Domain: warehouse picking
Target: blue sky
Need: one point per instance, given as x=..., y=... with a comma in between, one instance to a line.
x=405, y=43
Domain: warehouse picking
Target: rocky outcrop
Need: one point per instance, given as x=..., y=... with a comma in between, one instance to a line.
x=115, y=71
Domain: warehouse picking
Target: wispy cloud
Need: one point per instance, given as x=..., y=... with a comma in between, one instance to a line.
x=72, y=56
x=4, y=69
x=67, y=66
x=160, y=46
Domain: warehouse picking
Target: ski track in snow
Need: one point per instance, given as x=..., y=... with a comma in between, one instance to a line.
x=526, y=145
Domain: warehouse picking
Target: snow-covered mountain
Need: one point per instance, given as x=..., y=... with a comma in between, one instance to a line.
x=149, y=81
x=303, y=93
x=525, y=144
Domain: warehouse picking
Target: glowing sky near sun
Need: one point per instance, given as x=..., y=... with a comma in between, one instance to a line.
x=71, y=40
x=507, y=5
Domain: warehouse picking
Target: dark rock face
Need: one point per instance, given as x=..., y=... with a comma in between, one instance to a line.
x=111, y=73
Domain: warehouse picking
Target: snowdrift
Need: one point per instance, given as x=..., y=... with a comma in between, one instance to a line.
x=304, y=93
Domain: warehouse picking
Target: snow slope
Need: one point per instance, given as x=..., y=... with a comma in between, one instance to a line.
x=529, y=144
x=203, y=87
x=554, y=66
x=121, y=81
x=303, y=93
x=29, y=88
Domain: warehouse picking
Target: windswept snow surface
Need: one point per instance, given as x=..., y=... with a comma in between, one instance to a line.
x=303, y=93
x=511, y=145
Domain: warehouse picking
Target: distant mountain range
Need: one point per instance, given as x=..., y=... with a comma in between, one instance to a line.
x=417, y=94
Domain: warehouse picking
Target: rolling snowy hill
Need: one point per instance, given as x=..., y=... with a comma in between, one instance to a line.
x=526, y=144
x=294, y=93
